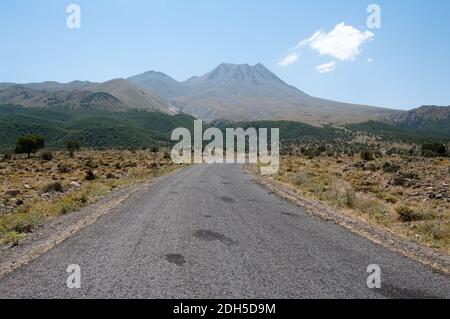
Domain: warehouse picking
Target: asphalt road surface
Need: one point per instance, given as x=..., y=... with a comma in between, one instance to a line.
x=209, y=232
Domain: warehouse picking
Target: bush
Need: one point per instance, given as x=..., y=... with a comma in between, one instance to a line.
x=72, y=147
x=22, y=226
x=90, y=176
x=367, y=155
x=7, y=155
x=167, y=155
x=407, y=214
x=29, y=144
x=390, y=168
x=63, y=168
x=302, y=178
x=403, y=179
x=12, y=238
x=47, y=156
x=350, y=198
x=53, y=187
x=110, y=176
x=154, y=149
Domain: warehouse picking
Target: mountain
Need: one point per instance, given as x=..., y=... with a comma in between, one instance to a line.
x=429, y=118
x=424, y=116
x=133, y=96
x=115, y=95
x=240, y=92
x=166, y=86
x=20, y=95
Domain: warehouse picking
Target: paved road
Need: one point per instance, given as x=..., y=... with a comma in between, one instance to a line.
x=210, y=232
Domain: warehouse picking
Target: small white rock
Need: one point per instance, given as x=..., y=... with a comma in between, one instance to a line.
x=75, y=184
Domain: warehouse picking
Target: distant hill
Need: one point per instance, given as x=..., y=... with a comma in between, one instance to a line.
x=93, y=128
x=115, y=95
x=425, y=123
x=428, y=118
x=251, y=93
x=165, y=86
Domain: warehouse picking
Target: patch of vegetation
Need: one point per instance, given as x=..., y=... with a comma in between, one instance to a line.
x=53, y=187
x=434, y=150
x=29, y=144
x=72, y=147
x=90, y=176
x=92, y=129
x=408, y=214
x=367, y=155
x=431, y=132
x=390, y=167
x=47, y=156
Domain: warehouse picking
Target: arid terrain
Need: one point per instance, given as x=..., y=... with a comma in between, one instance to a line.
x=33, y=190
x=408, y=195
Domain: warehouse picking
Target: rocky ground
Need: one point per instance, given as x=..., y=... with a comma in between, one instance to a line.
x=407, y=195
x=35, y=189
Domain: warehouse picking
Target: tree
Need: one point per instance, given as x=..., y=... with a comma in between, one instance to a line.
x=154, y=150
x=433, y=150
x=29, y=144
x=72, y=147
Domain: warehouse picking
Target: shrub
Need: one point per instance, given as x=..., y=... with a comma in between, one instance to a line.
x=110, y=176
x=167, y=155
x=154, y=149
x=301, y=178
x=90, y=176
x=29, y=144
x=72, y=147
x=22, y=226
x=399, y=181
x=390, y=168
x=367, y=155
x=350, y=198
x=47, y=156
x=53, y=187
x=407, y=214
x=405, y=179
x=12, y=237
x=65, y=208
x=63, y=168
x=7, y=156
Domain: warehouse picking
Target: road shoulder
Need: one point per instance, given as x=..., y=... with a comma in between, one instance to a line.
x=50, y=234
x=436, y=260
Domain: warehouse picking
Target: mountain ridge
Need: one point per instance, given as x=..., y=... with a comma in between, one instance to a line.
x=113, y=95
x=242, y=92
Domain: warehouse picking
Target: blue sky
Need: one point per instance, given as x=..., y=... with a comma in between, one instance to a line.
x=409, y=54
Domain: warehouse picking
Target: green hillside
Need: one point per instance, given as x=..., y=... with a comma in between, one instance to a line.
x=296, y=131
x=97, y=129
x=429, y=132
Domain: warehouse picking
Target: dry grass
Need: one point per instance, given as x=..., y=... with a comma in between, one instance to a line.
x=35, y=190
x=409, y=196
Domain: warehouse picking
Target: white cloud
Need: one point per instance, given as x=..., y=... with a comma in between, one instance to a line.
x=370, y=60
x=289, y=59
x=326, y=67
x=343, y=42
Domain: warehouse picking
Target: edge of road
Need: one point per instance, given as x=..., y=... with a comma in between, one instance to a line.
x=425, y=255
x=55, y=231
